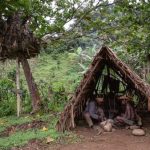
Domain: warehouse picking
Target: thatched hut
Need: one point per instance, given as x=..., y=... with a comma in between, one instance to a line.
x=18, y=42
x=105, y=60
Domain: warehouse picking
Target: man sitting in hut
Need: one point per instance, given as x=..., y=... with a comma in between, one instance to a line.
x=94, y=112
x=129, y=115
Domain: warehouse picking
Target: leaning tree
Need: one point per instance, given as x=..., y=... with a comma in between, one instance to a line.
x=17, y=42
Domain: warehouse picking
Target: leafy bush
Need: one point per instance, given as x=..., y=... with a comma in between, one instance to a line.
x=8, y=101
x=58, y=100
x=7, y=97
x=52, y=99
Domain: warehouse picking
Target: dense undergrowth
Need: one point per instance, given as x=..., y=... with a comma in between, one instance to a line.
x=56, y=75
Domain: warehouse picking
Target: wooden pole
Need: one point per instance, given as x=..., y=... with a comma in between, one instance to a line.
x=18, y=87
x=148, y=103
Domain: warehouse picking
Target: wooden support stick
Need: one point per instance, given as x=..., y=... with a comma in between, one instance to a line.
x=149, y=104
x=18, y=87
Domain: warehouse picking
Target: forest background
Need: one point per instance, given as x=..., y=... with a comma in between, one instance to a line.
x=73, y=32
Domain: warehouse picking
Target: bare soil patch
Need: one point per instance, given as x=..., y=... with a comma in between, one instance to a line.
x=119, y=139
x=33, y=145
x=23, y=127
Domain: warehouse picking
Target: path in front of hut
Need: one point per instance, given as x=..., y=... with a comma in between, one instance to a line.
x=120, y=139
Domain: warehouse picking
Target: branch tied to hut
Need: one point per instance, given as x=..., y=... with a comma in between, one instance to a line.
x=110, y=95
x=18, y=42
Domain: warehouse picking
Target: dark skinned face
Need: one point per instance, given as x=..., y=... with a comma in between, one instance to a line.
x=99, y=101
x=124, y=102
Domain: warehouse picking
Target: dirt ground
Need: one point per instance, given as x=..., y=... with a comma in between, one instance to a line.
x=120, y=139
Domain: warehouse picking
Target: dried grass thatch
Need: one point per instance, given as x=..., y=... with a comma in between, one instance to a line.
x=16, y=39
x=105, y=56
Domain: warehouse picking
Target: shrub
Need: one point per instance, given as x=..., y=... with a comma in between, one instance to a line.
x=7, y=97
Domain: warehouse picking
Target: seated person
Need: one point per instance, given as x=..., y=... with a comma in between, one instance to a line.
x=129, y=115
x=94, y=112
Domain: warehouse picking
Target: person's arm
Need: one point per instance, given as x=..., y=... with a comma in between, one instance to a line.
x=101, y=114
x=92, y=110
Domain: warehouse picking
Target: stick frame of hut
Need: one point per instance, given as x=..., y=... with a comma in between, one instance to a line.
x=105, y=56
x=17, y=42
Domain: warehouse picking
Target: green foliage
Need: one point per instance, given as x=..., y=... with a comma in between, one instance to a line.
x=13, y=120
x=8, y=102
x=19, y=138
x=57, y=71
x=57, y=77
x=7, y=97
x=122, y=25
x=85, y=57
x=119, y=23
x=58, y=100
x=48, y=16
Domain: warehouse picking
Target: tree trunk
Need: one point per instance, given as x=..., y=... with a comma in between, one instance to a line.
x=18, y=87
x=34, y=93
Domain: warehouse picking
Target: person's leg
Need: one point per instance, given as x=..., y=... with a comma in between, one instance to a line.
x=138, y=119
x=88, y=119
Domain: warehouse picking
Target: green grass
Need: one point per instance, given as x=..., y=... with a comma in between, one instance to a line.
x=19, y=138
x=55, y=72
x=13, y=120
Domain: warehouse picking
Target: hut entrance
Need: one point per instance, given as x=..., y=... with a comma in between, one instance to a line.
x=110, y=86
